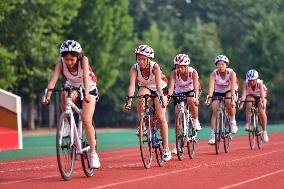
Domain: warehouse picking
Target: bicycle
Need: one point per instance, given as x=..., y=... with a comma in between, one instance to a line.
x=255, y=134
x=148, y=133
x=185, y=133
x=71, y=139
x=223, y=130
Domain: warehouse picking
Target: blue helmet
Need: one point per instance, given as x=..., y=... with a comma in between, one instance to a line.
x=252, y=75
x=222, y=58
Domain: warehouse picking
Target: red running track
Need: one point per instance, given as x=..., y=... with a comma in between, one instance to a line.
x=240, y=168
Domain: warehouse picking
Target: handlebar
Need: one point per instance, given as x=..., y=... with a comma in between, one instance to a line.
x=145, y=96
x=252, y=101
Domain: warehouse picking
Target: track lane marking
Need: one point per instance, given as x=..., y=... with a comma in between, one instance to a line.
x=182, y=170
x=251, y=180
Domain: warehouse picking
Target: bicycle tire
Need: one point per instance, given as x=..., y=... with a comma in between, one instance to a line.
x=227, y=135
x=145, y=141
x=65, y=152
x=191, y=144
x=179, y=135
x=85, y=157
x=218, y=132
x=258, y=133
x=252, y=131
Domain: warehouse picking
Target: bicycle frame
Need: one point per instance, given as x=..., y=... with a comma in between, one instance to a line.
x=75, y=133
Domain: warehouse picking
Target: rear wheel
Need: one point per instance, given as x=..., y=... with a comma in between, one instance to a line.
x=227, y=133
x=64, y=150
x=252, y=131
x=85, y=157
x=179, y=135
x=218, y=133
x=145, y=137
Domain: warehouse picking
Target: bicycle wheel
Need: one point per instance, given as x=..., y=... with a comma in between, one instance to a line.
x=145, y=137
x=179, y=135
x=227, y=135
x=85, y=157
x=191, y=143
x=252, y=131
x=258, y=133
x=218, y=132
x=159, y=148
x=65, y=151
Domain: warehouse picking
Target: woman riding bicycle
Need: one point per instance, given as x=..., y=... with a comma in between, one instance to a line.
x=222, y=82
x=254, y=89
x=184, y=81
x=75, y=67
x=150, y=80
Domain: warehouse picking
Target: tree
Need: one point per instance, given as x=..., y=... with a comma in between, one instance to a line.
x=33, y=29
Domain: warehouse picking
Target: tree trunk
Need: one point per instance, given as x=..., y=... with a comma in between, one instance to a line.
x=31, y=116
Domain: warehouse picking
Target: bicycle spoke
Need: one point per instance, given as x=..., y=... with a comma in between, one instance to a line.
x=65, y=153
x=145, y=142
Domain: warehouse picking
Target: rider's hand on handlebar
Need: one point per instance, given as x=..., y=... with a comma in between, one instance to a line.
x=127, y=105
x=45, y=100
x=207, y=101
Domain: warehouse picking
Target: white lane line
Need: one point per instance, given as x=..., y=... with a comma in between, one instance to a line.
x=181, y=170
x=16, y=181
x=144, y=178
x=251, y=180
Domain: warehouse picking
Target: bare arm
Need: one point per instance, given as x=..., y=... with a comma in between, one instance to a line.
x=85, y=67
x=233, y=78
x=56, y=73
x=244, y=94
x=172, y=83
x=131, y=88
x=210, y=88
x=195, y=83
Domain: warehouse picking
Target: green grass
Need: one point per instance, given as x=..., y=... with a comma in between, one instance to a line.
x=37, y=146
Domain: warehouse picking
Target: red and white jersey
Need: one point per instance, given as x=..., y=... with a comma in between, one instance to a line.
x=222, y=85
x=76, y=78
x=256, y=91
x=181, y=85
x=150, y=82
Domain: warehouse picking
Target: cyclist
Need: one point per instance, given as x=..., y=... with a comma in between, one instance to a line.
x=184, y=81
x=254, y=89
x=75, y=67
x=222, y=82
x=150, y=80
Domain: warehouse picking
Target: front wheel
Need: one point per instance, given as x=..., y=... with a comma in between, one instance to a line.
x=252, y=132
x=145, y=137
x=180, y=135
x=65, y=151
x=227, y=135
x=85, y=157
x=218, y=132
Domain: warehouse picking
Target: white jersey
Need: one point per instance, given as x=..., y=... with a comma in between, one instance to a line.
x=75, y=79
x=256, y=91
x=222, y=85
x=149, y=82
x=184, y=86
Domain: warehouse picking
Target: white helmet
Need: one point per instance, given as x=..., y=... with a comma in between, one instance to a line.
x=222, y=58
x=182, y=59
x=252, y=75
x=70, y=46
x=145, y=50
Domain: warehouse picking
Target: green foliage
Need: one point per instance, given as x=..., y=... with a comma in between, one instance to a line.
x=104, y=29
x=7, y=69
